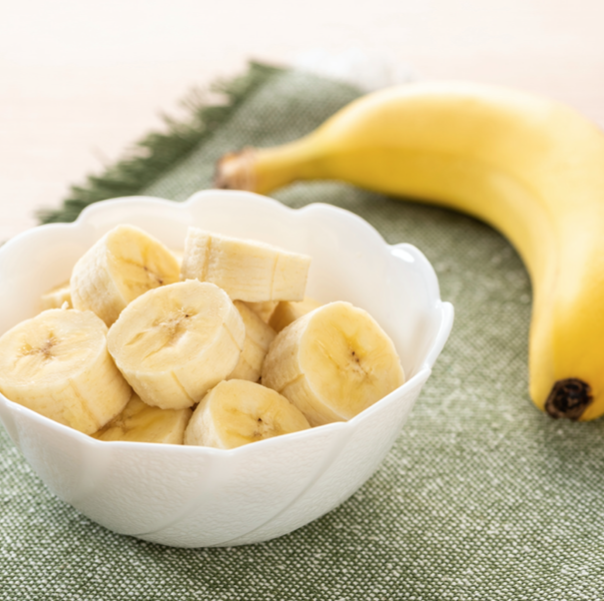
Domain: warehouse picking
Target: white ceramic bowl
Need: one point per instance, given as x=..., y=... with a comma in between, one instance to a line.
x=195, y=496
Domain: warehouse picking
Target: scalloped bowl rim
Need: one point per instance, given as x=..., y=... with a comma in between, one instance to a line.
x=200, y=197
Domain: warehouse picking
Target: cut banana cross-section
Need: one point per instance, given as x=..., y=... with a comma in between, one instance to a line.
x=287, y=312
x=238, y=412
x=56, y=297
x=122, y=265
x=57, y=364
x=263, y=309
x=333, y=363
x=247, y=270
x=139, y=422
x=178, y=254
x=258, y=337
x=174, y=343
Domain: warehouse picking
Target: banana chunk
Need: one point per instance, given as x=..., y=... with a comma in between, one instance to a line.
x=263, y=309
x=176, y=342
x=258, y=337
x=333, y=363
x=247, y=270
x=238, y=412
x=178, y=254
x=57, y=364
x=122, y=265
x=56, y=297
x=139, y=422
x=287, y=312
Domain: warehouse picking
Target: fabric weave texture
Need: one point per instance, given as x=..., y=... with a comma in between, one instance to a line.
x=482, y=497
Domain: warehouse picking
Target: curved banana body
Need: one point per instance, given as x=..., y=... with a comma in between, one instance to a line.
x=530, y=167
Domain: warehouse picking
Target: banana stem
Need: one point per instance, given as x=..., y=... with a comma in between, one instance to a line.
x=263, y=170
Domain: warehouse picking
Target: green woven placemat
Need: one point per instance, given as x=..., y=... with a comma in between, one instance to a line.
x=482, y=497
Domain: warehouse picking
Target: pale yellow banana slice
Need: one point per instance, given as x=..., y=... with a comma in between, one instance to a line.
x=333, y=363
x=247, y=270
x=258, y=337
x=57, y=364
x=122, y=265
x=139, y=422
x=263, y=309
x=238, y=412
x=175, y=342
x=287, y=312
x=56, y=297
x=178, y=254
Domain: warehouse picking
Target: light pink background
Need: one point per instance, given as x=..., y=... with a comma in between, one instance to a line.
x=80, y=80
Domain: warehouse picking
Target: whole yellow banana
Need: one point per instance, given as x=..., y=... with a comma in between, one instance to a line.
x=528, y=166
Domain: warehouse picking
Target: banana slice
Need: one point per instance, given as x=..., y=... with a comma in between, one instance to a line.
x=57, y=364
x=258, y=337
x=175, y=342
x=178, y=254
x=263, y=309
x=332, y=363
x=56, y=297
x=139, y=422
x=122, y=265
x=238, y=412
x=287, y=312
x=247, y=270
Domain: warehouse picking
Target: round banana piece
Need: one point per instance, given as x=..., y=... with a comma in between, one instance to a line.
x=56, y=297
x=333, y=363
x=176, y=342
x=246, y=269
x=263, y=309
x=57, y=364
x=287, y=312
x=258, y=337
x=122, y=265
x=139, y=422
x=237, y=412
x=178, y=254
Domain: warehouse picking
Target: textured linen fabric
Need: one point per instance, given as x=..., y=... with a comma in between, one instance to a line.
x=482, y=497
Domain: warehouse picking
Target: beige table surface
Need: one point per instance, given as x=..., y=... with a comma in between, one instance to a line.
x=79, y=80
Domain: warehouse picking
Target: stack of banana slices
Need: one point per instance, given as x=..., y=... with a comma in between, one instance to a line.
x=215, y=346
